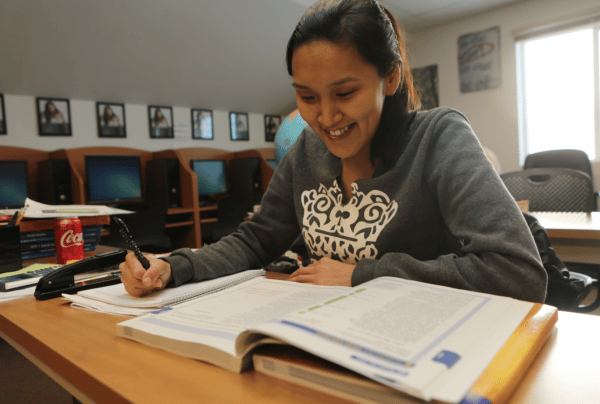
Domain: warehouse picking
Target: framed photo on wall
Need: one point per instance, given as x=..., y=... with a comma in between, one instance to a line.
x=161, y=122
x=54, y=116
x=202, y=124
x=426, y=83
x=2, y=116
x=111, y=119
x=272, y=123
x=238, y=125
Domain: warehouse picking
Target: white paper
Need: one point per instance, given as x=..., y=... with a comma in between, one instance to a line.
x=15, y=294
x=116, y=295
x=40, y=210
x=94, y=305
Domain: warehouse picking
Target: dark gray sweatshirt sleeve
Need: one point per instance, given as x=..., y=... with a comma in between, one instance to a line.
x=496, y=252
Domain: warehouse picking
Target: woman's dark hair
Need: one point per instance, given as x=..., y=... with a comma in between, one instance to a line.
x=48, y=115
x=156, y=118
x=105, y=117
x=375, y=33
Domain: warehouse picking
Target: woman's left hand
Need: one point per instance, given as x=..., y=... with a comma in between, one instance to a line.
x=325, y=272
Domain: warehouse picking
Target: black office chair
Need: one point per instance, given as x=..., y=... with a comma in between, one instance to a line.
x=231, y=212
x=568, y=289
x=147, y=227
x=552, y=189
x=563, y=158
x=556, y=190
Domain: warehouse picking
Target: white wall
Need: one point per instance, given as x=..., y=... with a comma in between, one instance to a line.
x=22, y=128
x=493, y=113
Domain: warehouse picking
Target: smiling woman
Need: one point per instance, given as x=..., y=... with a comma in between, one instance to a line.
x=374, y=186
x=342, y=100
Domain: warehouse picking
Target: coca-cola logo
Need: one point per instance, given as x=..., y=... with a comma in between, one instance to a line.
x=70, y=239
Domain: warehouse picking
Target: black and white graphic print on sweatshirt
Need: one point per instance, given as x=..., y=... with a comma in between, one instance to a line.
x=344, y=232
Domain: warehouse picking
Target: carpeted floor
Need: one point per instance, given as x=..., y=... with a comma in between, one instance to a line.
x=22, y=382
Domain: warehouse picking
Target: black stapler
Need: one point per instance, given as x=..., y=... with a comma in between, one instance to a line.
x=63, y=279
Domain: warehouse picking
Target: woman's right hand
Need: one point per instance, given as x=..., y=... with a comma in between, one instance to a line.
x=140, y=282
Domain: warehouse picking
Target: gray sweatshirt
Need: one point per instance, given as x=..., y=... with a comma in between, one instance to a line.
x=435, y=211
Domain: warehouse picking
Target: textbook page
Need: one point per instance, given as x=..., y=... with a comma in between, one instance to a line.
x=117, y=295
x=216, y=320
x=405, y=334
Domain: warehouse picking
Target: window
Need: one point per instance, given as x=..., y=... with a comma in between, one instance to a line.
x=557, y=79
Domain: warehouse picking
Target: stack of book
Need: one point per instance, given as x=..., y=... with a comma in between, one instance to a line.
x=37, y=238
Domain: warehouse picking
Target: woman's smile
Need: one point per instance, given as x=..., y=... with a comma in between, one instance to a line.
x=339, y=133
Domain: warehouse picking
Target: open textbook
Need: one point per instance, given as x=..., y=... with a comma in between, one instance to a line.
x=428, y=341
x=495, y=385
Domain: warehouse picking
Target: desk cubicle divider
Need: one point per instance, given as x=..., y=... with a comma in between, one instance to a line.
x=264, y=154
x=190, y=211
x=181, y=223
x=76, y=158
x=184, y=224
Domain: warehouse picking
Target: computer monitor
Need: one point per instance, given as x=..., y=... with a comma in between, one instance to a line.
x=14, y=183
x=272, y=162
x=212, y=177
x=113, y=179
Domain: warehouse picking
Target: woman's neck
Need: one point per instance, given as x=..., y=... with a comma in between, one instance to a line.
x=353, y=170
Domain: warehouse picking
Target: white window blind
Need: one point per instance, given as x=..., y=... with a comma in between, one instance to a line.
x=557, y=78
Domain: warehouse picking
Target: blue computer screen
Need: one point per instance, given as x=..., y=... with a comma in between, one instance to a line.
x=212, y=176
x=13, y=183
x=113, y=179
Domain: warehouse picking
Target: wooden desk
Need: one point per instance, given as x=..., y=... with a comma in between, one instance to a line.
x=80, y=350
x=575, y=236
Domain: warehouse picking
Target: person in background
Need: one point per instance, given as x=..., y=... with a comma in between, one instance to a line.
x=374, y=186
x=109, y=118
x=241, y=126
x=159, y=120
x=51, y=114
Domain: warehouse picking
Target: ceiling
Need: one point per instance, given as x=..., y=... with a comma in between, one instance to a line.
x=212, y=54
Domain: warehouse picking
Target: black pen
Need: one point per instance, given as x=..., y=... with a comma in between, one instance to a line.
x=132, y=245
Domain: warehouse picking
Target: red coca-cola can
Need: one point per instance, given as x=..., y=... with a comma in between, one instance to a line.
x=68, y=237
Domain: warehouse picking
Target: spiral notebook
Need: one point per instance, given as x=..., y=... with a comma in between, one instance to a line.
x=115, y=299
